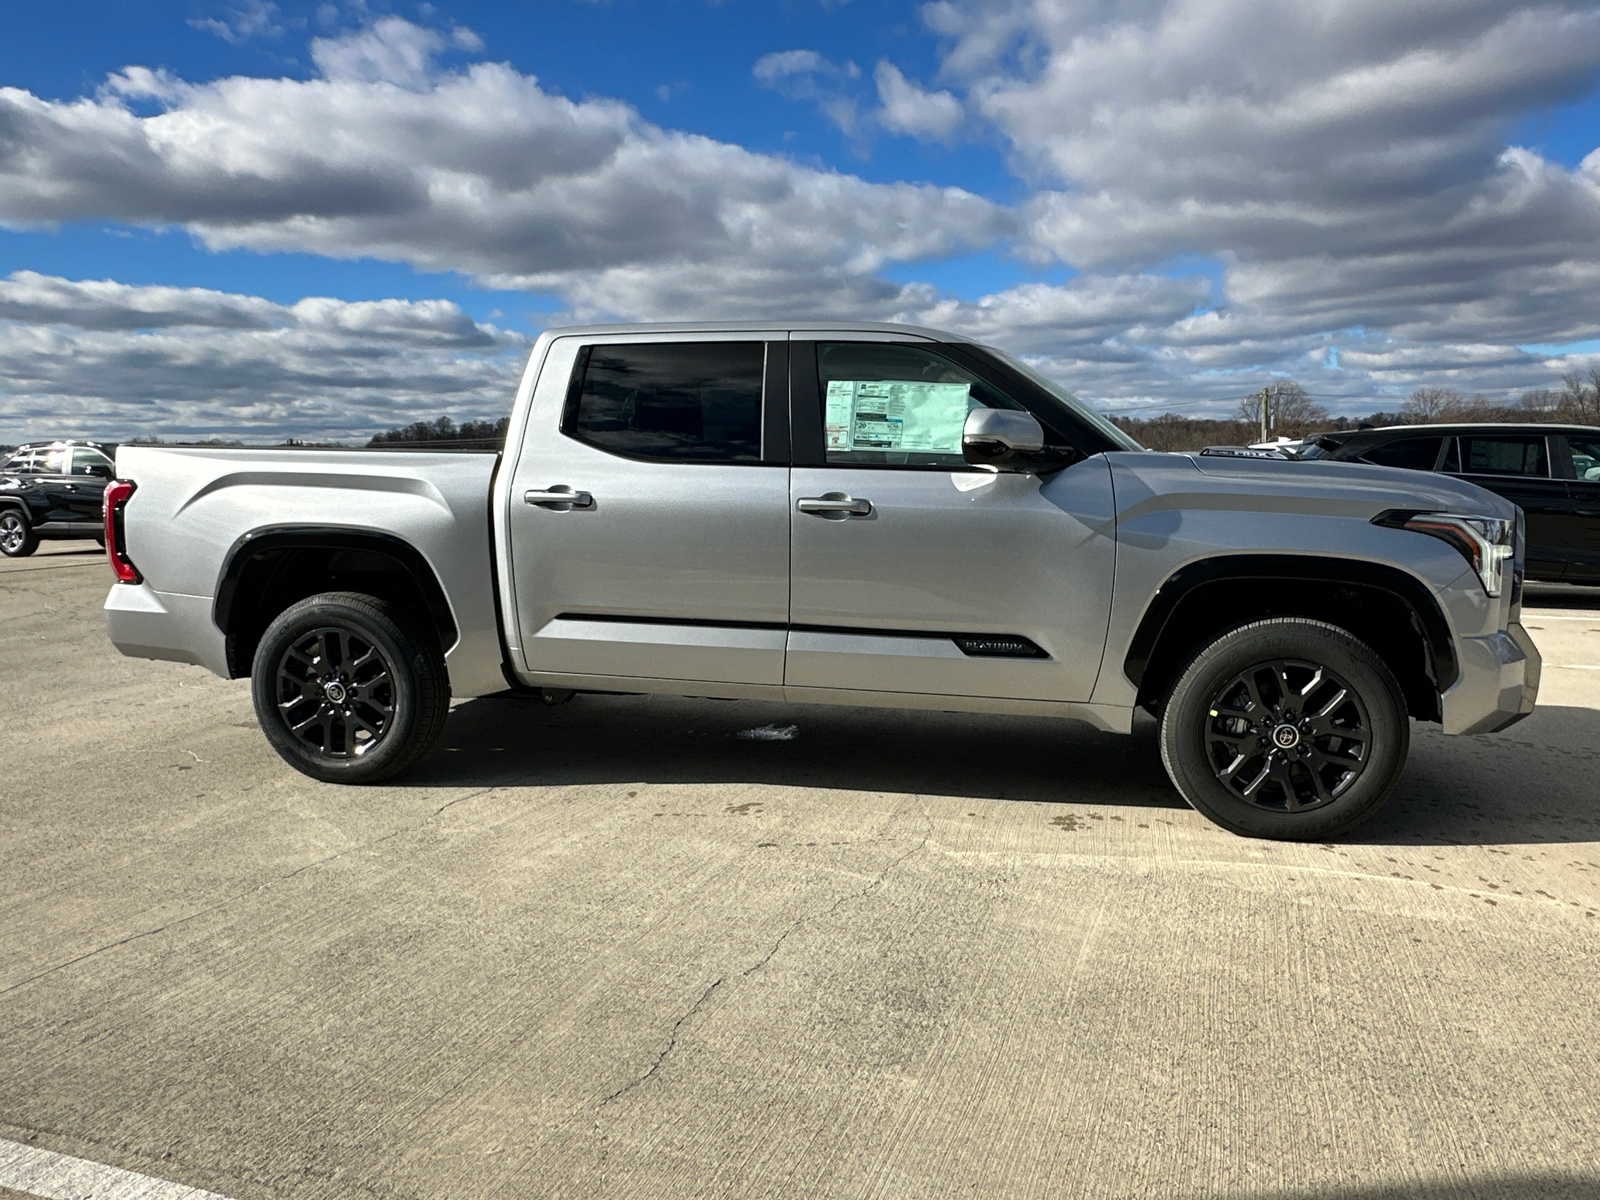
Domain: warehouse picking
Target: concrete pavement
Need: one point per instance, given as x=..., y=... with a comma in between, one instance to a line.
x=614, y=949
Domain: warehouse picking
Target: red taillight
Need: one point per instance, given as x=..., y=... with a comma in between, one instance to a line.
x=117, y=493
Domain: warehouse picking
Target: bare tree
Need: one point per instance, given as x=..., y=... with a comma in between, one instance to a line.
x=1428, y=404
x=1576, y=402
x=1290, y=412
x=1541, y=404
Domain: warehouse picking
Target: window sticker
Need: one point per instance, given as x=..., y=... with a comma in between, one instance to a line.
x=897, y=415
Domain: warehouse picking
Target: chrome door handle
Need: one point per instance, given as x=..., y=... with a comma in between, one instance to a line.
x=834, y=502
x=557, y=497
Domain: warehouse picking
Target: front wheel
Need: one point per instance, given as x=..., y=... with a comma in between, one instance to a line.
x=347, y=689
x=1288, y=729
x=17, y=538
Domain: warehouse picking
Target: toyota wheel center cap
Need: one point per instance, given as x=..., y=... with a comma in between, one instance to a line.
x=335, y=692
x=1285, y=737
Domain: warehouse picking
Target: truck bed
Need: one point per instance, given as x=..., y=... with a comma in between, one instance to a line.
x=195, y=508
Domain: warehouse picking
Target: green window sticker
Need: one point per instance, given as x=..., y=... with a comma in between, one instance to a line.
x=901, y=416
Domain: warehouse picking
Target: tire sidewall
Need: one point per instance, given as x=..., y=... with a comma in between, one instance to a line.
x=30, y=539
x=1184, y=717
x=322, y=612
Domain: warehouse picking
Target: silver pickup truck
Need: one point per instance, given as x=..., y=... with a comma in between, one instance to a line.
x=838, y=514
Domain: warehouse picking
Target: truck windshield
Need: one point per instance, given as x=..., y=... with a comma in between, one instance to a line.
x=1068, y=401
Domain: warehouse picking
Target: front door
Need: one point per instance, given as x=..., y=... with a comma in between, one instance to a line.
x=1518, y=467
x=915, y=573
x=1581, y=526
x=56, y=484
x=648, y=516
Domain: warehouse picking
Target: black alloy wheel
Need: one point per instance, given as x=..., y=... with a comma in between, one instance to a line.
x=1288, y=736
x=335, y=691
x=17, y=538
x=1288, y=728
x=348, y=688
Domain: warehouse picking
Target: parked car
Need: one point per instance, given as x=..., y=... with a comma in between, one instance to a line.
x=840, y=514
x=52, y=490
x=1551, y=472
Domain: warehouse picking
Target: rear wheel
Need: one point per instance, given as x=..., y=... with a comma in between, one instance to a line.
x=348, y=690
x=17, y=538
x=1289, y=729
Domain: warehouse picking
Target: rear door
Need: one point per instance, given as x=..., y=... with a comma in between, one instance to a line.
x=1518, y=467
x=91, y=471
x=648, y=516
x=915, y=573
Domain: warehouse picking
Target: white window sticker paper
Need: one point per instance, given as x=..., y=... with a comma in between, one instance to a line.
x=889, y=414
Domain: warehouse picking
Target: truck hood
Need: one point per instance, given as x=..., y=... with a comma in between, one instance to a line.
x=1280, y=485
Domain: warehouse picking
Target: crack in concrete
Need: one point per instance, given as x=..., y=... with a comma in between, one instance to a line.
x=841, y=901
x=672, y=1034
x=246, y=893
x=672, y=1041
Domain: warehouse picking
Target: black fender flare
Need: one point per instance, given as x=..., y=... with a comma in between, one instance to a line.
x=1185, y=581
x=260, y=544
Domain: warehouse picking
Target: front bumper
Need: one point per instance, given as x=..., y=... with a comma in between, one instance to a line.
x=1498, y=684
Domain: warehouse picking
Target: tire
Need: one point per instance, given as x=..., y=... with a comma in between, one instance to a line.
x=348, y=689
x=18, y=539
x=1288, y=729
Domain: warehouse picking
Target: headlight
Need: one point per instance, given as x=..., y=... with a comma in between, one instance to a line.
x=1488, y=543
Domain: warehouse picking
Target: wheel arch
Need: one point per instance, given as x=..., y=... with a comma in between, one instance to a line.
x=267, y=570
x=1392, y=611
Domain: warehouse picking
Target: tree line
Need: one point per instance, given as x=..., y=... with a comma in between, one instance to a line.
x=1292, y=413
x=445, y=433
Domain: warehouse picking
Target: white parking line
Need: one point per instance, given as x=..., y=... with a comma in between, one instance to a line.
x=55, y=1176
x=1579, y=667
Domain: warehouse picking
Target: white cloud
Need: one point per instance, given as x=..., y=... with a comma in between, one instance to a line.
x=807, y=75
x=903, y=107
x=910, y=109
x=1348, y=161
x=787, y=64
x=241, y=22
x=110, y=360
x=479, y=171
x=393, y=51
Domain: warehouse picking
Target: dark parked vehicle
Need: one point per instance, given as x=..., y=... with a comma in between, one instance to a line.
x=1551, y=472
x=52, y=490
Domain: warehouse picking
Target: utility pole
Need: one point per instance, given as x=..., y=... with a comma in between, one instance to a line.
x=1265, y=396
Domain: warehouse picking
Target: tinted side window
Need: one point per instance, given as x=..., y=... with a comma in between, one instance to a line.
x=1414, y=454
x=671, y=401
x=889, y=405
x=84, y=462
x=1585, y=458
x=1503, y=456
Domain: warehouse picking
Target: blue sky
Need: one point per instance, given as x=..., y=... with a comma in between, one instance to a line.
x=1164, y=203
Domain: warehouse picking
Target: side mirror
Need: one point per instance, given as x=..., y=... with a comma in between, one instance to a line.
x=102, y=472
x=1001, y=437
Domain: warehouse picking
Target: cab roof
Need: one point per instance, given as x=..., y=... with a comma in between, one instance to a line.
x=908, y=331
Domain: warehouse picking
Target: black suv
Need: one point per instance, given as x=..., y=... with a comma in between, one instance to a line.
x=1552, y=472
x=52, y=490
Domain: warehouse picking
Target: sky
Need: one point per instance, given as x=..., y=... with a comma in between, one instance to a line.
x=253, y=219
